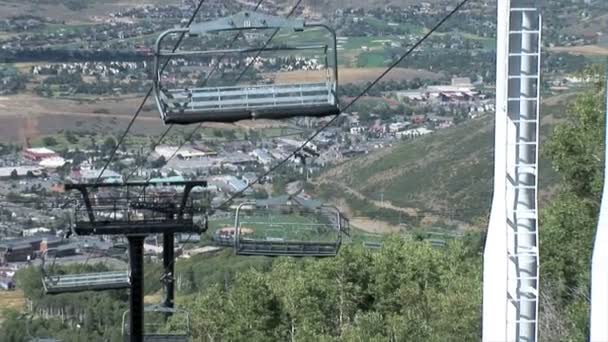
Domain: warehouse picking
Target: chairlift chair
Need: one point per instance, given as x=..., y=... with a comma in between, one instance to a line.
x=372, y=241
x=241, y=101
x=80, y=282
x=304, y=231
x=154, y=331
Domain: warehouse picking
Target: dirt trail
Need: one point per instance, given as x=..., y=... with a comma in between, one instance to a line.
x=364, y=223
x=376, y=226
x=376, y=203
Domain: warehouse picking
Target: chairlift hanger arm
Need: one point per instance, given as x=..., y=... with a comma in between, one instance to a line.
x=83, y=189
x=246, y=20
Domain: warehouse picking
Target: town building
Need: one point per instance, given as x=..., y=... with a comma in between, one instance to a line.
x=26, y=249
x=89, y=175
x=21, y=171
x=185, y=152
x=39, y=153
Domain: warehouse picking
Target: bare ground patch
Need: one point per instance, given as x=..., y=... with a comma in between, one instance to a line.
x=585, y=50
x=29, y=115
x=61, y=13
x=355, y=75
x=11, y=300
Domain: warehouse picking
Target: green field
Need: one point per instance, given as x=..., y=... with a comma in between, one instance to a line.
x=279, y=226
x=402, y=28
x=371, y=60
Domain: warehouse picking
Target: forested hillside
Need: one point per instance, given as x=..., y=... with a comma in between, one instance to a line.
x=568, y=222
x=406, y=291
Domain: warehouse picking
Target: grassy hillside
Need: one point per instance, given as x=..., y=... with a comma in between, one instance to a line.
x=446, y=176
x=70, y=11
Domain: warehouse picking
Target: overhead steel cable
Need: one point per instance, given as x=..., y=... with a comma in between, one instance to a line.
x=147, y=96
x=200, y=125
x=330, y=122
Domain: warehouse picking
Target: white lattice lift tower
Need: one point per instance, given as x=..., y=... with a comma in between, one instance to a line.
x=599, y=264
x=510, y=284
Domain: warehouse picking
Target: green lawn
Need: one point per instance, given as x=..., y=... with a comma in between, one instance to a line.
x=62, y=28
x=403, y=28
x=487, y=43
x=307, y=37
x=280, y=226
x=371, y=60
x=355, y=43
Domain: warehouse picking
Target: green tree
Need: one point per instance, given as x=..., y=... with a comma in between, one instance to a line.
x=109, y=144
x=568, y=223
x=406, y=291
x=70, y=137
x=49, y=141
x=158, y=163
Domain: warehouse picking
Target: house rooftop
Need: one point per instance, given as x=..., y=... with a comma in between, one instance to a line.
x=40, y=150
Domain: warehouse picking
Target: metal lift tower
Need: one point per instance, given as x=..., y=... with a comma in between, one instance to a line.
x=510, y=280
x=599, y=263
x=119, y=210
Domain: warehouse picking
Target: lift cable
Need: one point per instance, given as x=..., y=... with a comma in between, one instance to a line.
x=148, y=94
x=205, y=81
x=200, y=125
x=330, y=122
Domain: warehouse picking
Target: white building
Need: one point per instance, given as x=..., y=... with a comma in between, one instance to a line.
x=52, y=163
x=262, y=156
x=185, y=152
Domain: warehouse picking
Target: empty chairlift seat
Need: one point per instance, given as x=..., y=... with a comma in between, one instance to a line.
x=155, y=328
x=54, y=284
x=296, y=228
x=288, y=248
x=180, y=105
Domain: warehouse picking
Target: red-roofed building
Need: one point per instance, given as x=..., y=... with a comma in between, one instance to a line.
x=38, y=154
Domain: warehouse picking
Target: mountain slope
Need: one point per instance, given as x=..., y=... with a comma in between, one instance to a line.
x=446, y=176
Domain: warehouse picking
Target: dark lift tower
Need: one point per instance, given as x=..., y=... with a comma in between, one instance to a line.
x=118, y=209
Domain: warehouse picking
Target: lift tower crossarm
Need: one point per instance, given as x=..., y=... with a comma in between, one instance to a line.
x=139, y=213
x=135, y=216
